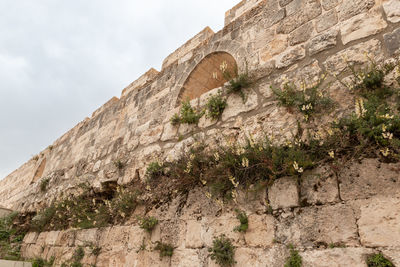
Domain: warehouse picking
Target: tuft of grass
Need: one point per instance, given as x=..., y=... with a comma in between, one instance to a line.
x=119, y=164
x=188, y=114
x=294, y=259
x=39, y=262
x=378, y=260
x=244, y=221
x=148, y=223
x=215, y=106
x=154, y=170
x=222, y=251
x=166, y=250
x=175, y=119
x=43, y=184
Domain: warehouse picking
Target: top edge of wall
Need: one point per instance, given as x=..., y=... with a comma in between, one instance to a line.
x=238, y=10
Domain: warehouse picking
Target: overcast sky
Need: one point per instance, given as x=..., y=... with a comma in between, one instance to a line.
x=61, y=60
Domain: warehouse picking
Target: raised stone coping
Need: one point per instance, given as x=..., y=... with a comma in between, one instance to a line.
x=4, y=263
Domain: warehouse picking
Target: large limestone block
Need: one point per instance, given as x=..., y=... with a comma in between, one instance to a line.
x=392, y=41
x=369, y=178
x=52, y=237
x=362, y=25
x=30, y=238
x=274, y=47
x=326, y=21
x=355, y=54
x=66, y=238
x=194, y=234
x=379, y=223
x=319, y=187
x=86, y=236
x=223, y=226
x=261, y=232
x=185, y=257
x=354, y=257
x=323, y=41
x=321, y=224
x=392, y=10
x=236, y=105
x=284, y=193
x=117, y=258
x=290, y=56
x=170, y=132
x=250, y=257
x=351, y=8
x=152, y=258
x=151, y=135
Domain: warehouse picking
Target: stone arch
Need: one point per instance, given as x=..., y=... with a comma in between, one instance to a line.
x=208, y=75
x=39, y=171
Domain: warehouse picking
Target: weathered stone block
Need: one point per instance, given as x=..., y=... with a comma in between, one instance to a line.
x=290, y=56
x=329, y=4
x=319, y=187
x=379, y=222
x=326, y=21
x=355, y=54
x=151, y=135
x=66, y=238
x=86, y=236
x=30, y=238
x=194, y=232
x=170, y=132
x=52, y=237
x=314, y=225
x=354, y=257
x=152, y=258
x=250, y=257
x=323, y=41
x=236, y=105
x=392, y=10
x=185, y=257
x=261, y=232
x=284, y=193
x=301, y=34
x=273, y=48
x=349, y=9
x=369, y=178
x=283, y=3
x=362, y=25
x=392, y=41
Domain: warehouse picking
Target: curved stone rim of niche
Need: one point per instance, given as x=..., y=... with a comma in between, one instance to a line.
x=39, y=171
x=208, y=75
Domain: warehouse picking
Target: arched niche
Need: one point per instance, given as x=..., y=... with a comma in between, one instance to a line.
x=207, y=75
x=39, y=171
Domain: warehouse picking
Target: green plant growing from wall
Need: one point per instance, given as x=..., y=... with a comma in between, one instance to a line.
x=294, y=259
x=188, y=114
x=154, y=170
x=378, y=260
x=43, y=184
x=119, y=164
x=148, y=223
x=309, y=100
x=244, y=221
x=39, y=262
x=166, y=250
x=215, y=106
x=175, y=119
x=222, y=251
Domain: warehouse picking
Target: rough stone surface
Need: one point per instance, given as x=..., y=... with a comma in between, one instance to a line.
x=392, y=10
x=284, y=193
x=275, y=47
x=336, y=257
x=379, y=222
x=392, y=41
x=349, y=9
x=362, y=25
x=290, y=56
x=301, y=34
x=323, y=41
x=326, y=21
x=369, y=178
x=329, y=4
x=319, y=187
x=194, y=232
x=314, y=225
x=236, y=105
x=261, y=231
x=355, y=54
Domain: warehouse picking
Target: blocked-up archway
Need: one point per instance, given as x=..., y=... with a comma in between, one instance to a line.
x=208, y=74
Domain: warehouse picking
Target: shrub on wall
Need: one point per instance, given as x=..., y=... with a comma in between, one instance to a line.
x=216, y=104
x=222, y=251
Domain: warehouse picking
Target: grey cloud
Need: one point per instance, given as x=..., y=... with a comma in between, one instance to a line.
x=61, y=60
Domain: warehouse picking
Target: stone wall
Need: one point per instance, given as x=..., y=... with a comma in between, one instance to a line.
x=275, y=41
x=334, y=220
